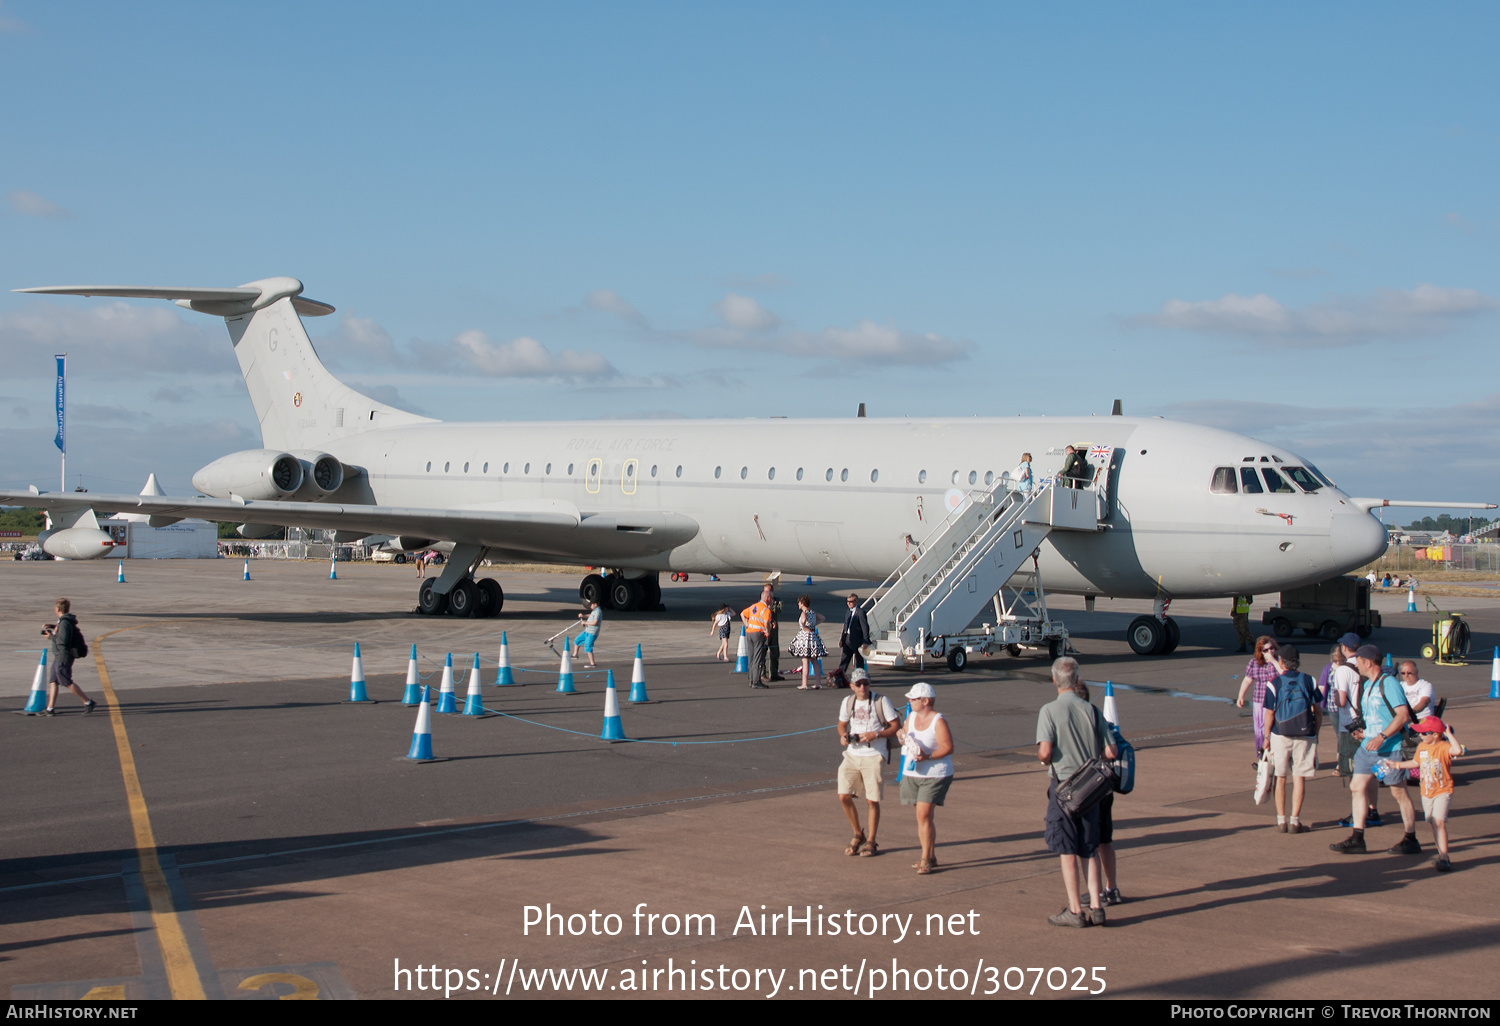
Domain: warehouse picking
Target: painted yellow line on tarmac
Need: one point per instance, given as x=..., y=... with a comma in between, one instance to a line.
x=182, y=971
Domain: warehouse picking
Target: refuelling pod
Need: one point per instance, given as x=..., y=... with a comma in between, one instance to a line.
x=78, y=536
x=264, y=474
x=322, y=474
x=257, y=530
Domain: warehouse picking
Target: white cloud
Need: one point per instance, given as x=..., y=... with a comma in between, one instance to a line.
x=743, y=312
x=24, y=201
x=527, y=358
x=114, y=338
x=10, y=23
x=1344, y=320
x=355, y=340
x=867, y=345
x=610, y=301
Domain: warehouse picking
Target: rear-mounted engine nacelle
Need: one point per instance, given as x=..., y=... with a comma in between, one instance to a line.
x=322, y=474
x=264, y=474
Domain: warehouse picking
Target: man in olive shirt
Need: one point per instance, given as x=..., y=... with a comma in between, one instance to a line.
x=1070, y=732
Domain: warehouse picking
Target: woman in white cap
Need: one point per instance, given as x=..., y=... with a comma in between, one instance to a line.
x=927, y=747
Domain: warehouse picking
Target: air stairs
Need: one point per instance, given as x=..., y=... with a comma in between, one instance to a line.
x=924, y=608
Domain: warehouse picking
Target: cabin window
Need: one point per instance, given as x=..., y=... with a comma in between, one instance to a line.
x=547, y=469
x=429, y=466
x=921, y=477
x=505, y=469
x=828, y=476
x=799, y=473
x=679, y=470
x=744, y=473
x=570, y=470
x=973, y=476
x=844, y=474
x=446, y=466
x=718, y=472
x=653, y=470
x=1223, y=481
x=466, y=467
x=1303, y=479
x=955, y=477
x=989, y=477
x=1275, y=482
x=874, y=476
x=485, y=469
x=629, y=469
x=526, y=469
x=771, y=474
x=1250, y=482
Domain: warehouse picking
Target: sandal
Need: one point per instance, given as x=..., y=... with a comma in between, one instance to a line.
x=870, y=849
x=931, y=862
x=854, y=845
x=924, y=867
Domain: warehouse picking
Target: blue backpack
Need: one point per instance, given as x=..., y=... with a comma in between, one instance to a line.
x=1294, y=705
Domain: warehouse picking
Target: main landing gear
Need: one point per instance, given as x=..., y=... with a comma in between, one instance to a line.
x=614, y=590
x=1157, y=634
x=457, y=592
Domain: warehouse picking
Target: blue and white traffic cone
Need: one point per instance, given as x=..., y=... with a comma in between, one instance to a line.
x=247, y=571
x=421, y=736
x=1387, y=663
x=333, y=569
x=474, y=701
x=357, y=678
x=37, y=702
x=506, y=678
x=613, y=730
x=1411, y=598
x=447, y=702
x=1111, y=712
x=565, y=671
x=413, y=693
x=1494, y=674
x=742, y=659
x=809, y=579
x=120, y=577
x=638, y=679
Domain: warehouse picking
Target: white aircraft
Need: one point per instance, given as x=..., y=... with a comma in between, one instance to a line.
x=1185, y=511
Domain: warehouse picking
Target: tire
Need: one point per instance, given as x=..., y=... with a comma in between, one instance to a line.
x=1056, y=648
x=491, y=597
x=1014, y=650
x=429, y=602
x=1145, y=635
x=1173, y=639
x=1461, y=639
x=463, y=600
x=1311, y=632
x=592, y=589
x=958, y=659
x=1281, y=627
x=400, y=558
x=1364, y=632
x=1331, y=630
x=1429, y=652
x=625, y=595
x=650, y=594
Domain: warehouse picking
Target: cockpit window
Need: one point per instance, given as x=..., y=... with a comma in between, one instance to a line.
x=1275, y=482
x=1303, y=479
x=1321, y=476
x=1250, y=481
x=1223, y=481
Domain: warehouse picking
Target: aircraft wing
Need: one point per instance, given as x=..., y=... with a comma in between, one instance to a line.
x=542, y=526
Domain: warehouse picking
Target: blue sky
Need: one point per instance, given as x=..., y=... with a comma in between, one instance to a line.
x=1274, y=219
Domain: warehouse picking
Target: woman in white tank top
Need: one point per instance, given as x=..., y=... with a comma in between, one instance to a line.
x=927, y=768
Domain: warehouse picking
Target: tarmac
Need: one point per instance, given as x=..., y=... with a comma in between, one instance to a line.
x=227, y=825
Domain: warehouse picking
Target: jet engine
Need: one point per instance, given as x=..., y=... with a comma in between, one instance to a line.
x=264, y=474
x=322, y=474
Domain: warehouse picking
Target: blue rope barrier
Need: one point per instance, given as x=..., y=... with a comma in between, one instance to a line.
x=643, y=741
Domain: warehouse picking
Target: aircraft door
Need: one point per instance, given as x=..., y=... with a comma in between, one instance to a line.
x=592, y=475
x=1109, y=481
x=628, y=476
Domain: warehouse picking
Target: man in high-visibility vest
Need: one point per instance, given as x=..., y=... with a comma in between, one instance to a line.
x=1241, y=617
x=757, y=619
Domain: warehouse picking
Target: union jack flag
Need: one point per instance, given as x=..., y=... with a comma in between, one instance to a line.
x=1101, y=452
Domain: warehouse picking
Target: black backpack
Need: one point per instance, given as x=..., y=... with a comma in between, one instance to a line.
x=75, y=645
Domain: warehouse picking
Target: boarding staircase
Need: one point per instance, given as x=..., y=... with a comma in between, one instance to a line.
x=965, y=562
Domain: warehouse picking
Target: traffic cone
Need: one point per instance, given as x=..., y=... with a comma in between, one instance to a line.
x=1111, y=712
x=357, y=678
x=120, y=577
x=1494, y=674
x=413, y=693
x=447, y=703
x=1411, y=598
x=474, y=701
x=506, y=678
x=638, y=679
x=613, y=729
x=247, y=571
x=809, y=579
x=333, y=569
x=742, y=660
x=565, y=672
x=421, y=736
x=37, y=702
x=1387, y=664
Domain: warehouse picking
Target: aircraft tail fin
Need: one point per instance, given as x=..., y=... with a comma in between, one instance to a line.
x=299, y=404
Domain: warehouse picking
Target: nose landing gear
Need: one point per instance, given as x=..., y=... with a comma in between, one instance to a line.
x=1157, y=634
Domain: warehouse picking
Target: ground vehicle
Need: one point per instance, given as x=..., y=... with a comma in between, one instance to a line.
x=1327, y=609
x=389, y=556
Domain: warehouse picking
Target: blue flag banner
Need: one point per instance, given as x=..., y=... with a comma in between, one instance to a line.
x=62, y=368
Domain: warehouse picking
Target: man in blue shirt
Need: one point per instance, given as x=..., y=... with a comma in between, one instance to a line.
x=1382, y=705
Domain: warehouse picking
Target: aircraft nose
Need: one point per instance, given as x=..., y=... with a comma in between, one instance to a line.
x=1356, y=539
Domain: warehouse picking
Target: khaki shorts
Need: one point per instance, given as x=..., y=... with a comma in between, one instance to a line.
x=860, y=775
x=1436, y=807
x=1294, y=756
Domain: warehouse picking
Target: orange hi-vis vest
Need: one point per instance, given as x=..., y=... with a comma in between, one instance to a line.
x=757, y=618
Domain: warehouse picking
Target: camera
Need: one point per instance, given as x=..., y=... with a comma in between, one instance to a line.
x=48, y=629
x=1357, y=723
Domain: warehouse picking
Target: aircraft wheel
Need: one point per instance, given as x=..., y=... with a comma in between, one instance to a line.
x=592, y=589
x=1174, y=637
x=650, y=593
x=625, y=595
x=1281, y=627
x=429, y=602
x=958, y=659
x=1331, y=630
x=1145, y=635
x=491, y=597
x=463, y=600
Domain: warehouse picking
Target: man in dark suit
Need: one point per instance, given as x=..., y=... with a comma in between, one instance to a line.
x=856, y=633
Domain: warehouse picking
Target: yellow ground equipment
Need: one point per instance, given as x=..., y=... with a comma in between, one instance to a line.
x=1450, y=637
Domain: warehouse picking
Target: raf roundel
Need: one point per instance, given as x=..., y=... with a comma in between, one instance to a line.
x=297, y=399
